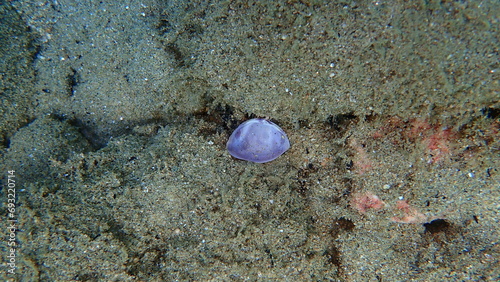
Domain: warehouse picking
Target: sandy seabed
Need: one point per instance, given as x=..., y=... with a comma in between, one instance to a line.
x=116, y=114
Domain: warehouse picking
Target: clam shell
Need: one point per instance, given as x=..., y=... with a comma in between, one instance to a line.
x=258, y=140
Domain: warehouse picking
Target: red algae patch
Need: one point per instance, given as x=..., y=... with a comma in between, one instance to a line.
x=365, y=201
x=361, y=161
x=436, y=140
x=410, y=214
x=438, y=144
